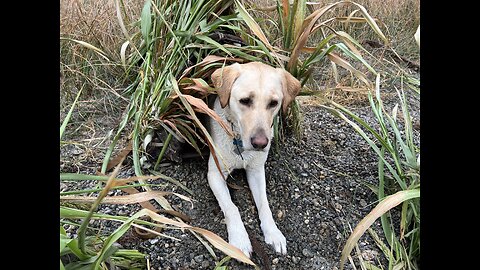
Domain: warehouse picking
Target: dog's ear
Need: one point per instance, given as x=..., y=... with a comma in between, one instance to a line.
x=223, y=79
x=291, y=88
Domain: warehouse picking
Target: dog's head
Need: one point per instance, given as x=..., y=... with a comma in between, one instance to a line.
x=255, y=92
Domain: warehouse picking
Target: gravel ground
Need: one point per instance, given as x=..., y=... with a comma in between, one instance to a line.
x=316, y=190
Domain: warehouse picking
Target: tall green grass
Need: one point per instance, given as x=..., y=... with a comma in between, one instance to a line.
x=398, y=176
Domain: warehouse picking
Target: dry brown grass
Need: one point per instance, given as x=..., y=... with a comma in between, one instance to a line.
x=96, y=22
x=100, y=105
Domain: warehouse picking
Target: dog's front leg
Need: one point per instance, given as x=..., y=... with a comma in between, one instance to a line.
x=237, y=235
x=273, y=236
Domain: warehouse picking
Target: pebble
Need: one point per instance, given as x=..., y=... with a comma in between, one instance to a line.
x=77, y=151
x=63, y=187
x=307, y=253
x=338, y=207
x=153, y=241
x=369, y=255
x=363, y=203
x=280, y=214
x=275, y=261
x=198, y=258
x=295, y=259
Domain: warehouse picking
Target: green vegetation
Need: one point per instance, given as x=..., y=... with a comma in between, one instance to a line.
x=399, y=179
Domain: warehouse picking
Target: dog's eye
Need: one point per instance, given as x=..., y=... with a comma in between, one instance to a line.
x=273, y=104
x=246, y=101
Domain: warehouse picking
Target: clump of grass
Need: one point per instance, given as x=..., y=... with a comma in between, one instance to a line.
x=398, y=175
x=96, y=252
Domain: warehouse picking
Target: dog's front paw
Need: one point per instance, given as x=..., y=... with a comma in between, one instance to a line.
x=274, y=237
x=241, y=241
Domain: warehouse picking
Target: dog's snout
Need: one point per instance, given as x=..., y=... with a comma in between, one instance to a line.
x=259, y=141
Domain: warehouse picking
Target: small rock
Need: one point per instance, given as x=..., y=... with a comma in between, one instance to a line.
x=294, y=259
x=315, y=202
x=369, y=255
x=63, y=187
x=198, y=258
x=327, y=189
x=307, y=253
x=338, y=207
x=363, y=203
x=77, y=151
x=275, y=261
x=304, y=174
x=153, y=241
x=279, y=214
x=205, y=264
x=306, y=221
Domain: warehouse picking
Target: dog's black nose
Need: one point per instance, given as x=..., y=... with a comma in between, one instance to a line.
x=259, y=141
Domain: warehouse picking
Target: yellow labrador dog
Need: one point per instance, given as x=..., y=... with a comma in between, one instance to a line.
x=249, y=97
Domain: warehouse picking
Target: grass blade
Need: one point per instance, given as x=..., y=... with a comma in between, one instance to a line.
x=252, y=24
x=371, y=22
x=103, y=193
x=203, y=108
x=146, y=21
x=345, y=64
x=67, y=118
x=384, y=206
x=111, y=239
x=214, y=43
x=88, y=46
x=123, y=50
x=124, y=199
